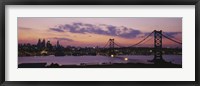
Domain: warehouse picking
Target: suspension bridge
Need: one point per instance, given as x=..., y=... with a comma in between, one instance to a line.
x=158, y=39
x=110, y=50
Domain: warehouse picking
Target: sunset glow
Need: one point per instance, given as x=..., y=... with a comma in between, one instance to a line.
x=90, y=32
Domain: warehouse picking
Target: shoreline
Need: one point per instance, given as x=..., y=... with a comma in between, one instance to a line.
x=114, y=65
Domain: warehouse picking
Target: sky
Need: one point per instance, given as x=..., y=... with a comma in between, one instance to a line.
x=96, y=31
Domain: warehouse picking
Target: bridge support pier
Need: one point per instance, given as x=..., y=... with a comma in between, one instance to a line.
x=158, y=47
x=111, y=48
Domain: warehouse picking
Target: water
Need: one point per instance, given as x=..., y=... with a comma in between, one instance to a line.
x=76, y=60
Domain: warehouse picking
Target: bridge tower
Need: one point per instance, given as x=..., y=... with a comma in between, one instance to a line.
x=158, y=47
x=111, y=47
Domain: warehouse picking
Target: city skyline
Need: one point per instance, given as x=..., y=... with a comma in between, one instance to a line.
x=91, y=32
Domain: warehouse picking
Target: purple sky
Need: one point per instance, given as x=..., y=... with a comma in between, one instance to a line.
x=96, y=31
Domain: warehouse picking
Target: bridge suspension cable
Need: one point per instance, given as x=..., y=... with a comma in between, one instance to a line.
x=171, y=39
x=117, y=44
x=106, y=44
x=142, y=39
x=147, y=41
x=165, y=33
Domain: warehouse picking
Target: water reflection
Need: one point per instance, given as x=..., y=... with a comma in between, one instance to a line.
x=77, y=60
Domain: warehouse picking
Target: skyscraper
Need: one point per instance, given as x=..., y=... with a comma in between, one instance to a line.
x=49, y=45
x=58, y=45
x=43, y=43
x=39, y=44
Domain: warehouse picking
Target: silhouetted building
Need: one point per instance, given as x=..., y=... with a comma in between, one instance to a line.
x=39, y=44
x=59, y=50
x=58, y=45
x=43, y=43
x=49, y=45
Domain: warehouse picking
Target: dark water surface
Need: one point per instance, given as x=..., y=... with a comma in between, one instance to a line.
x=76, y=60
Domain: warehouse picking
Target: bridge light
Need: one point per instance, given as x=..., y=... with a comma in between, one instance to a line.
x=112, y=55
x=126, y=59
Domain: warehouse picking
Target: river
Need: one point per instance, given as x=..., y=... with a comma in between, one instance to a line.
x=76, y=60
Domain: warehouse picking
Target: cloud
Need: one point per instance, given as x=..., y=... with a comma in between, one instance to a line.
x=103, y=29
x=56, y=29
x=62, y=39
x=24, y=28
